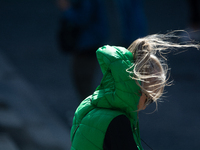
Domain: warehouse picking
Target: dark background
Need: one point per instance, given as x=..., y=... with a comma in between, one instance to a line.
x=38, y=99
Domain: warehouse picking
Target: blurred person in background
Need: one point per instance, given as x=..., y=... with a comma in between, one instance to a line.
x=88, y=24
x=96, y=23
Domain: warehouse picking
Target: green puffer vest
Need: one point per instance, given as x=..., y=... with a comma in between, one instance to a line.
x=116, y=95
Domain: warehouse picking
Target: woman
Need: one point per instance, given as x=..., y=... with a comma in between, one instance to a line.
x=132, y=79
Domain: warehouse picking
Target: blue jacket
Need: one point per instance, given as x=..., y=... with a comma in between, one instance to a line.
x=91, y=19
x=113, y=22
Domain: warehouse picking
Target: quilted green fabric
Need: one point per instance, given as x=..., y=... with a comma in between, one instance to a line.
x=117, y=94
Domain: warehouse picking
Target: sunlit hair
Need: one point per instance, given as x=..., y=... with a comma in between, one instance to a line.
x=150, y=69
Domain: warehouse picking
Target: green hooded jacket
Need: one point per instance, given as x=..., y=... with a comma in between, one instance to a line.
x=116, y=95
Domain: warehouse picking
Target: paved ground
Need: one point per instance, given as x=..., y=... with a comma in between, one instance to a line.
x=37, y=97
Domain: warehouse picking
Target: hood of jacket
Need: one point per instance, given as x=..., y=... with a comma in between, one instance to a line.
x=117, y=90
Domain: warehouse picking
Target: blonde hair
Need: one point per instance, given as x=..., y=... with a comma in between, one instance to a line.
x=150, y=67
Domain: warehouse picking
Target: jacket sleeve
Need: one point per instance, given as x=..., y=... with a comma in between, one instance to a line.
x=114, y=62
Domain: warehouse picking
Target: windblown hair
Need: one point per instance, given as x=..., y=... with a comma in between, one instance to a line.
x=150, y=69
